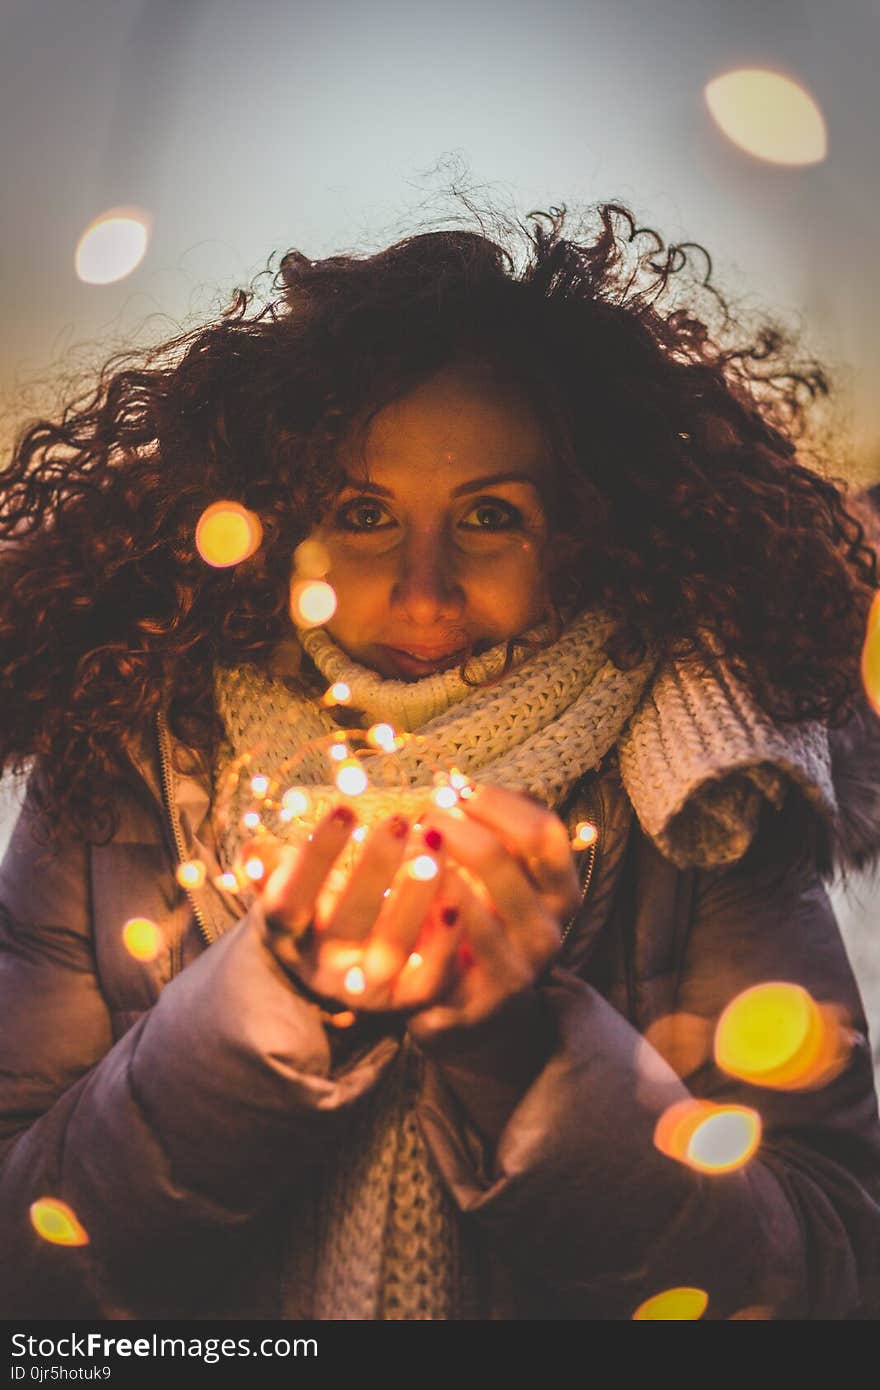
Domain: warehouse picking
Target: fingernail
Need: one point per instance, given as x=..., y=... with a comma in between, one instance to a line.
x=450, y=916
x=433, y=839
x=344, y=815
x=399, y=827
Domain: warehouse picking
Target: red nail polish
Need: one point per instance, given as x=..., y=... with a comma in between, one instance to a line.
x=433, y=839
x=344, y=814
x=450, y=916
x=399, y=827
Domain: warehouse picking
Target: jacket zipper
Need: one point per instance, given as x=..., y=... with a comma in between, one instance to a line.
x=590, y=806
x=163, y=739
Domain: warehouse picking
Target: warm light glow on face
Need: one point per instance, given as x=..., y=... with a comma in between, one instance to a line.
x=191, y=874
x=311, y=560
x=112, y=246
x=351, y=778
x=142, y=938
x=56, y=1222
x=312, y=602
x=707, y=1137
x=768, y=116
x=354, y=982
x=227, y=533
x=423, y=867
x=776, y=1035
x=673, y=1305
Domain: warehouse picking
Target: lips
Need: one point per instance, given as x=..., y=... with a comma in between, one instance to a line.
x=421, y=661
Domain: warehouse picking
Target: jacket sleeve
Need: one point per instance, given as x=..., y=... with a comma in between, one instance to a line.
x=171, y=1145
x=582, y=1204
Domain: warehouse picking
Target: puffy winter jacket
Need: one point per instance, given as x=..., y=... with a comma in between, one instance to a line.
x=184, y=1108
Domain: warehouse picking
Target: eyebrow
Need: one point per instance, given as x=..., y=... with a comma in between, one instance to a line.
x=362, y=485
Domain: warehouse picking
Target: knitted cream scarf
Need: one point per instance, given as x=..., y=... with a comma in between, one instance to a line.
x=696, y=757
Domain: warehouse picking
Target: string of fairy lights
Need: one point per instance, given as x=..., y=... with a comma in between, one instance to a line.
x=774, y=1035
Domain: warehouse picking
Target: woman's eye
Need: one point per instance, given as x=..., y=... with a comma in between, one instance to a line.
x=493, y=516
x=364, y=515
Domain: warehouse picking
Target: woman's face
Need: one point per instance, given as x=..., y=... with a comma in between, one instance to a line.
x=444, y=542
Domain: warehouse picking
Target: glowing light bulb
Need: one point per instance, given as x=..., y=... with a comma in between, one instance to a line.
x=251, y=819
x=445, y=797
x=228, y=881
x=112, y=246
x=339, y=693
x=423, y=867
x=673, y=1305
x=774, y=1035
x=458, y=779
x=381, y=736
x=339, y=751
x=57, y=1223
x=191, y=874
x=768, y=116
x=360, y=834
x=295, y=801
x=259, y=785
x=312, y=602
x=254, y=868
x=344, y=1019
x=227, y=533
x=414, y=960
x=142, y=938
x=585, y=834
x=707, y=1137
x=311, y=559
x=351, y=778
x=355, y=982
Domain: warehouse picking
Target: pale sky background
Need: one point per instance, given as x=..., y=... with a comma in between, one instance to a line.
x=245, y=128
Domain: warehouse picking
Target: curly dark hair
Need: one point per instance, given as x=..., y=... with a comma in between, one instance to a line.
x=678, y=499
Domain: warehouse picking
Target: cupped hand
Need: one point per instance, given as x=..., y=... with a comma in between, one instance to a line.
x=353, y=941
x=511, y=876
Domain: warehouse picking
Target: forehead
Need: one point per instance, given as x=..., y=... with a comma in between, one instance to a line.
x=457, y=424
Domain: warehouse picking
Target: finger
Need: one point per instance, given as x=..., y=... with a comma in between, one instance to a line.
x=429, y=971
x=403, y=912
x=361, y=900
x=511, y=895
x=536, y=835
x=291, y=891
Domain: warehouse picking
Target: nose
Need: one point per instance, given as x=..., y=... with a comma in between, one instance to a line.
x=427, y=587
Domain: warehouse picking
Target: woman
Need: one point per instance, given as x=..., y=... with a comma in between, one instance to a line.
x=575, y=557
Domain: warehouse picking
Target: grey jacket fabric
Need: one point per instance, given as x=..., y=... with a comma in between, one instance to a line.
x=187, y=1128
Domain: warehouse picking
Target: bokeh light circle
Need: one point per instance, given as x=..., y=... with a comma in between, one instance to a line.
x=227, y=533
x=768, y=115
x=112, y=246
